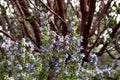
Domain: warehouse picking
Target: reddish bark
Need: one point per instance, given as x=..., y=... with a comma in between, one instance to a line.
x=34, y=24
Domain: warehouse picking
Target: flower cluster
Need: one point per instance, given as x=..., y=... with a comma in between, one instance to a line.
x=59, y=57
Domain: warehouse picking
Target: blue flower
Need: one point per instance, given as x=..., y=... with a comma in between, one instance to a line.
x=71, y=28
x=79, y=19
x=67, y=73
x=77, y=73
x=43, y=49
x=99, y=71
x=74, y=57
x=9, y=63
x=56, y=65
x=32, y=66
x=53, y=60
x=6, y=46
x=82, y=69
x=60, y=60
x=12, y=57
x=27, y=65
x=82, y=55
x=47, y=65
x=67, y=47
x=34, y=79
x=58, y=44
x=12, y=78
x=28, y=44
x=72, y=22
x=51, y=46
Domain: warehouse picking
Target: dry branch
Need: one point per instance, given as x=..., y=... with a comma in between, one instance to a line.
x=24, y=21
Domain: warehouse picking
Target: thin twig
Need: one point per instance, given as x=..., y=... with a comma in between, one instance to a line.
x=24, y=21
x=117, y=26
x=100, y=16
x=53, y=12
x=110, y=54
x=8, y=35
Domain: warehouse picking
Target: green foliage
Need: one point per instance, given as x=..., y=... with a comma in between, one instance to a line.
x=112, y=23
x=4, y=10
x=32, y=18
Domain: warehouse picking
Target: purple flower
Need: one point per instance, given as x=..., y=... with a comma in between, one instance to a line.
x=23, y=39
x=67, y=47
x=56, y=65
x=67, y=42
x=82, y=69
x=7, y=47
x=58, y=44
x=67, y=73
x=74, y=57
x=71, y=28
x=11, y=78
x=82, y=55
x=27, y=65
x=72, y=22
x=81, y=48
x=79, y=19
x=32, y=66
x=79, y=65
x=45, y=22
x=28, y=44
x=77, y=73
x=77, y=50
x=81, y=38
x=9, y=63
x=34, y=79
x=118, y=64
x=57, y=70
x=43, y=49
x=12, y=58
x=61, y=39
x=93, y=55
x=54, y=33
x=66, y=55
x=94, y=58
x=53, y=60
x=9, y=54
x=51, y=46
x=60, y=60
x=47, y=65
x=99, y=71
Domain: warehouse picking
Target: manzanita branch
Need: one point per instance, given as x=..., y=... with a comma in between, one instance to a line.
x=87, y=28
x=53, y=12
x=110, y=54
x=8, y=35
x=100, y=16
x=117, y=26
x=24, y=21
x=34, y=24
